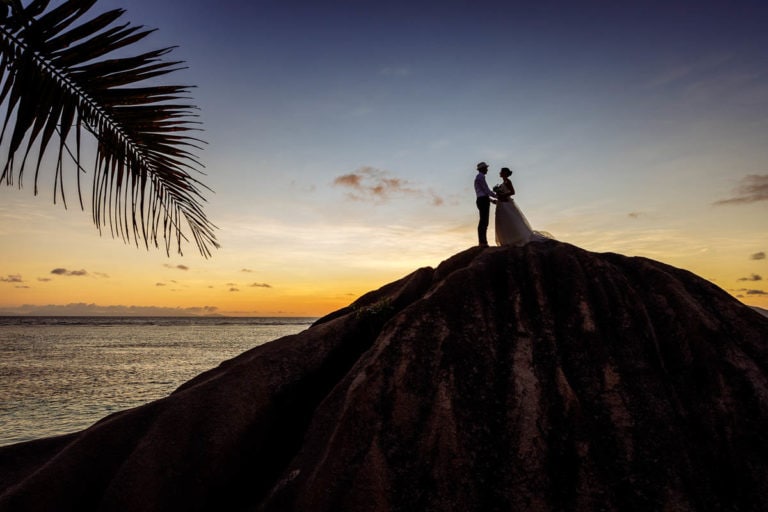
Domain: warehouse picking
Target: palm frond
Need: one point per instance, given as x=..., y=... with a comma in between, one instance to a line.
x=59, y=81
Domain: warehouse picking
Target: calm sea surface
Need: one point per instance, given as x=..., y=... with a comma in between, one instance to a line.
x=62, y=374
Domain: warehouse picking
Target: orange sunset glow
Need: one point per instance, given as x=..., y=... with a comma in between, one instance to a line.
x=341, y=145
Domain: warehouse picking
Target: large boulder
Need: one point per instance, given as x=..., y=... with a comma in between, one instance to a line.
x=538, y=378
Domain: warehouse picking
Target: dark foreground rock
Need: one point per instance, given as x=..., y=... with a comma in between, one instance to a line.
x=539, y=378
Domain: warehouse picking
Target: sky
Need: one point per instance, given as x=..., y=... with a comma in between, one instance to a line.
x=342, y=138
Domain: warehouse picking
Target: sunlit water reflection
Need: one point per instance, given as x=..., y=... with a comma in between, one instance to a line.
x=59, y=375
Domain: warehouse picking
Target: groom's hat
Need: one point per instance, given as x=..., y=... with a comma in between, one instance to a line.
x=482, y=165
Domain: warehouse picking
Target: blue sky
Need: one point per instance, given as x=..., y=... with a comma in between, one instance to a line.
x=342, y=139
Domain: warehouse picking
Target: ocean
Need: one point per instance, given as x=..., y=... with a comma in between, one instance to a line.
x=62, y=374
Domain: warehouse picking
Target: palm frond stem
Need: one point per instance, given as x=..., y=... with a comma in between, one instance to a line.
x=137, y=152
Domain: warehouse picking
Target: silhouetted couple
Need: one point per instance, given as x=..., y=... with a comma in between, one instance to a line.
x=512, y=228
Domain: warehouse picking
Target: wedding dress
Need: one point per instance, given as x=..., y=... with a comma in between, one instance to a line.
x=512, y=227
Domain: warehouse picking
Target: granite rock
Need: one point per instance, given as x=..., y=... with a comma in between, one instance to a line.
x=538, y=378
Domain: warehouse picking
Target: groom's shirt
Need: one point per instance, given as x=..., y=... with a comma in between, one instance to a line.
x=481, y=187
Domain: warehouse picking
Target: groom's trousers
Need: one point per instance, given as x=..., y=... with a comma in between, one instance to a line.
x=484, y=205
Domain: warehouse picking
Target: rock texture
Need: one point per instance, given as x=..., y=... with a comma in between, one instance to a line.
x=538, y=378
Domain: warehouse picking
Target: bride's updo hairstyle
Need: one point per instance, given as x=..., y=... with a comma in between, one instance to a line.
x=506, y=172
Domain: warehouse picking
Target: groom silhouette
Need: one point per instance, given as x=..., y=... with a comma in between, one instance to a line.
x=483, y=202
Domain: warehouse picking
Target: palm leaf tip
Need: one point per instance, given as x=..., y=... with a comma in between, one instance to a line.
x=60, y=78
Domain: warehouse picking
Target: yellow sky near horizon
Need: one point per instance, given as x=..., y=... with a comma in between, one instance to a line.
x=289, y=271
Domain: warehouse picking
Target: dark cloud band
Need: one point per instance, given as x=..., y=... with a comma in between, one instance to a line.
x=753, y=188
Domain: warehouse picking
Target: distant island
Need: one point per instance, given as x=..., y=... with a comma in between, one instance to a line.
x=95, y=310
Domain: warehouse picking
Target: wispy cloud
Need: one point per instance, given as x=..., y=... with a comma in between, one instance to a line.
x=260, y=285
x=758, y=256
x=634, y=215
x=688, y=71
x=395, y=71
x=753, y=188
x=369, y=183
x=671, y=75
x=12, y=278
x=246, y=270
x=390, y=246
x=716, y=77
x=741, y=292
x=753, y=277
x=65, y=272
x=730, y=86
x=177, y=267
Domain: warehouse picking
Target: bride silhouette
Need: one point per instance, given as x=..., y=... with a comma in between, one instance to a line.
x=512, y=227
